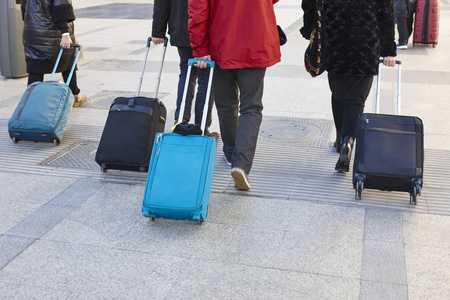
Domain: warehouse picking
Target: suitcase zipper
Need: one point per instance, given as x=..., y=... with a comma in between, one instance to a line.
x=24, y=102
x=389, y=121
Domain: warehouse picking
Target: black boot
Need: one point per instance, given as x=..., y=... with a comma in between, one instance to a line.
x=338, y=143
x=343, y=162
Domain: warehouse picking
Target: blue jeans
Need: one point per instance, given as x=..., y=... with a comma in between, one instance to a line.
x=200, y=75
x=238, y=97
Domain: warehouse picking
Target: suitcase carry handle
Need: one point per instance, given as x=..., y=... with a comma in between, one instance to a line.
x=191, y=62
x=160, y=68
x=73, y=65
x=399, y=77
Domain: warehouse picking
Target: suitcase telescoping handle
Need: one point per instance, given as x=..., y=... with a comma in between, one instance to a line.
x=73, y=65
x=160, y=68
x=211, y=65
x=399, y=80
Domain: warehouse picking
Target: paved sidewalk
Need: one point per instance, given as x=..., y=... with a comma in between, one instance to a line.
x=69, y=231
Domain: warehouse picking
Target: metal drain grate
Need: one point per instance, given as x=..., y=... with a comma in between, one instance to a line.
x=294, y=131
x=81, y=155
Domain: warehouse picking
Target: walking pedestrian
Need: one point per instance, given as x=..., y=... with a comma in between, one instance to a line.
x=242, y=38
x=404, y=14
x=173, y=15
x=357, y=33
x=48, y=26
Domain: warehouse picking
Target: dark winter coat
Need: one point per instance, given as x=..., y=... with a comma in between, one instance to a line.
x=172, y=13
x=357, y=33
x=44, y=23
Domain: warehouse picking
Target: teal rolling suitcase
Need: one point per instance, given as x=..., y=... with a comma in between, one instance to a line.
x=181, y=171
x=44, y=110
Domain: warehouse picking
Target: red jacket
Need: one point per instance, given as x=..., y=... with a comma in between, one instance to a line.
x=236, y=33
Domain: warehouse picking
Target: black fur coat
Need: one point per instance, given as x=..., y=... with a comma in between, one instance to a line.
x=357, y=33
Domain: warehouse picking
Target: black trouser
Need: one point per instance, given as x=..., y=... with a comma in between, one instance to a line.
x=348, y=97
x=33, y=77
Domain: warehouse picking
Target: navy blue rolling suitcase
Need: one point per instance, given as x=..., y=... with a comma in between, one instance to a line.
x=131, y=126
x=181, y=170
x=389, y=151
x=44, y=110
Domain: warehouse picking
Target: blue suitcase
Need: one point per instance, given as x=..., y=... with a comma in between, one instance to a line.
x=44, y=110
x=181, y=171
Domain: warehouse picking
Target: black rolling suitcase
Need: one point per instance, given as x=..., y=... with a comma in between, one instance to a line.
x=130, y=129
x=389, y=151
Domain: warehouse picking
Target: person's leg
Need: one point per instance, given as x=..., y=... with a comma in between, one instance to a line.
x=354, y=92
x=33, y=77
x=338, y=115
x=73, y=82
x=203, y=78
x=79, y=99
x=227, y=104
x=251, y=87
x=185, y=54
x=402, y=28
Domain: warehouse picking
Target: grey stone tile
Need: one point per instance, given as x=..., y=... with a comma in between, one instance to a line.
x=40, y=222
x=77, y=193
x=11, y=246
x=112, y=216
x=383, y=225
x=33, y=188
x=103, y=218
x=20, y=292
x=315, y=253
x=113, y=273
x=229, y=281
x=12, y=213
x=427, y=230
x=371, y=290
x=383, y=262
x=23, y=194
x=428, y=272
x=210, y=241
x=347, y=223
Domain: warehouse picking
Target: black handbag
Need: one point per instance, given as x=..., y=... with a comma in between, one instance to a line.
x=315, y=52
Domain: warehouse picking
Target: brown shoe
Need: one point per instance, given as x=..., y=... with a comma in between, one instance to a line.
x=79, y=99
x=214, y=134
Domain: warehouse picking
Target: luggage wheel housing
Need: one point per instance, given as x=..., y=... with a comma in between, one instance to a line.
x=416, y=190
x=56, y=141
x=358, y=185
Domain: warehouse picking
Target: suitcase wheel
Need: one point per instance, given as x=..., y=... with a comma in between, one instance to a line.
x=199, y=222
x=417, y=190
x=143, y=169
x=359, y=186
x=56, y=141
x=152, y=219
x=15, y=139
x=103, y=168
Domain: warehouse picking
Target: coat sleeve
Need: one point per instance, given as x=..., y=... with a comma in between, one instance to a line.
x=62, y=10
x=309, y=10
x=386, y=27
x=22, y=8
x=161, y=15
x=198, y=27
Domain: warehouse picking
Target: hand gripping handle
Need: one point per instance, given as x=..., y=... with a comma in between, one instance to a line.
x=193, y=61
